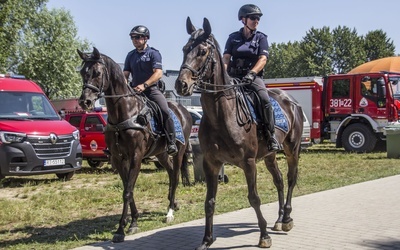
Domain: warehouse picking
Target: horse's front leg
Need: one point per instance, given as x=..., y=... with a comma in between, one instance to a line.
x=211, y=173
x=250, y=171
x=272, y=166
x=129, y=179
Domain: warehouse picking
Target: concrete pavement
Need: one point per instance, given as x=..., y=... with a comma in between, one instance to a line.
x=359, y=216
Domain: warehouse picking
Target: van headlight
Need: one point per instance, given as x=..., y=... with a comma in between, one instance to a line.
x=11, y=137
x=75, y=134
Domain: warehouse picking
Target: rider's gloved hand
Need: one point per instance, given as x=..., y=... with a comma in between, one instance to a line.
x=249, y=78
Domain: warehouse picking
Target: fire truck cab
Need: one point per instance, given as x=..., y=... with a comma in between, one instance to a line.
x=351, y=110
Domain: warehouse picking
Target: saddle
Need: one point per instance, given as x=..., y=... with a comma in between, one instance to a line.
x=250, y=103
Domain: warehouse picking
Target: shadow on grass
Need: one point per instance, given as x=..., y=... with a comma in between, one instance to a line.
x=85, y=230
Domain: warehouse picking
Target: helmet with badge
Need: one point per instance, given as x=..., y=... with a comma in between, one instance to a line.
x=141, y=31
x=248, y=10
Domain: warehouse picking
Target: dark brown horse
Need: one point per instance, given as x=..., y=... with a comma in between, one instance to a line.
x=226, y=137
x=129, y=140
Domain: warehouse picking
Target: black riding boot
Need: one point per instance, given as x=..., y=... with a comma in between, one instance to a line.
x=170, y=135
x=269, y=119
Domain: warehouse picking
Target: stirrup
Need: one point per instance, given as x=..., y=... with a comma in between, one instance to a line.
x=274, y=145
x=172, y=150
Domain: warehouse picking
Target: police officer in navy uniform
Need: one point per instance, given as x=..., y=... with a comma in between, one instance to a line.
x=144, y=63
x=244, y=57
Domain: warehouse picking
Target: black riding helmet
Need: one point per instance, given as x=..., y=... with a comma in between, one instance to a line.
x=140, y=30
x=248, y=10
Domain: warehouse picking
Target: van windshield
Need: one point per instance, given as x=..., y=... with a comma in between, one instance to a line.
x=24, y=105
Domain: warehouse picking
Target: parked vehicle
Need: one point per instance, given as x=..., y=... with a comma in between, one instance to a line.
x=91, y=128
x=34, y=139
x=351, y=110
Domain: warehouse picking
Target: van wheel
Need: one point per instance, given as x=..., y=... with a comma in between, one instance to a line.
x=359, y=138
x=95, y=164
x=65, y=176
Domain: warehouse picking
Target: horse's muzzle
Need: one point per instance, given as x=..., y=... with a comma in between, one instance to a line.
x=183, y=88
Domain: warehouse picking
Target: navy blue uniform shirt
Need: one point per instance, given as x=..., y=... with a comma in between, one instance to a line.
x=247, y=49
x=141, y=64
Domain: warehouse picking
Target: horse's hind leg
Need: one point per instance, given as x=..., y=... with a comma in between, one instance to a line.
x=272, y=166
x=293, y=162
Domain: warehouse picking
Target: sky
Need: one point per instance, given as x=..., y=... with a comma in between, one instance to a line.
x=106, y=24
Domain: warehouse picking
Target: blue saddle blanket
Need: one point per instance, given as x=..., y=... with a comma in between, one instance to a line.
x=281, y=120
x=177, y=124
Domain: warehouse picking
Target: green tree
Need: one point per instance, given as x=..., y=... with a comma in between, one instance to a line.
x=48, y=53
x=348, y=51
x=378, y=45
x=14, y=15
x=283, y=60
x=316, y=50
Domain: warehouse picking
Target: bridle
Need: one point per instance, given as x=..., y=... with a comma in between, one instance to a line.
x=105, y=77
x=209, y=64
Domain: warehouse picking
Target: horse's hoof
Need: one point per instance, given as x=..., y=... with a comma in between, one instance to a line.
x=118, y=238
x=277, y=226
x=133, y=230
x=286, y=227
x=265, y=242
x=205, y=245
x=169, y=219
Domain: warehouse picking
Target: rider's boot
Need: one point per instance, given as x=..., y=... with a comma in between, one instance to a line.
x=269, y=119
x=170, y=135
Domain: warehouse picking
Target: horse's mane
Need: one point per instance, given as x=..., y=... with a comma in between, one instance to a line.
x=113, y=68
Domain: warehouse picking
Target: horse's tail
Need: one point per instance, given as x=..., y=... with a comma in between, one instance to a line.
x=185, y=164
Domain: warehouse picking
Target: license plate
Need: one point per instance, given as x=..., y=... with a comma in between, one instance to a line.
x=54, y=162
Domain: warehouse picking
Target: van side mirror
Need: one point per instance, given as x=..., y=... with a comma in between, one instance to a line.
x=62, y=113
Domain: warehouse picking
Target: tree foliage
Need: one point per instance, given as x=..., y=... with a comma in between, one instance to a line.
x=41, y=45
x=48, y=53
x=322, y=52
x=14, y=15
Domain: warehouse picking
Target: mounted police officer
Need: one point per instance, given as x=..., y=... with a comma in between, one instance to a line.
x=245, y=55
x=144, y=63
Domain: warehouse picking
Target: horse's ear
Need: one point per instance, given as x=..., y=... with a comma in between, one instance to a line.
x=96, y=53
x=206, y=27
x=189, y=26
x=81, y=54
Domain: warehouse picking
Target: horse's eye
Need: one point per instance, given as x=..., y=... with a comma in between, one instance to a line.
x=201, y=52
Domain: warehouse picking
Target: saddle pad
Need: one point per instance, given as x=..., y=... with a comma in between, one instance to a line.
x=177, y=124
x=281, y=121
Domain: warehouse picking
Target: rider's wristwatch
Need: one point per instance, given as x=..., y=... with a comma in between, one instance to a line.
x=145, y=85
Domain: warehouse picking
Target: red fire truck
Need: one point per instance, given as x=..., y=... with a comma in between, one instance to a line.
x=351, y=110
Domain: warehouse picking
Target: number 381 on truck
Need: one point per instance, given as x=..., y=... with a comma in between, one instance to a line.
x=351, y=110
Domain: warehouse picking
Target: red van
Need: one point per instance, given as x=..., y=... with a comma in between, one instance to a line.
x=33, y=138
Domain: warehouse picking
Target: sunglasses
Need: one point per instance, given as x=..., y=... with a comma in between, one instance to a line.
x=253, y=18
x=137, y=37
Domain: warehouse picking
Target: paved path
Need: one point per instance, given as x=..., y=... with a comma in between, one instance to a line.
x=360, y=216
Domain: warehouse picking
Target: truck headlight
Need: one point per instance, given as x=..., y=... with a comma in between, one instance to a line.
x=76, y=134
x=11, y=137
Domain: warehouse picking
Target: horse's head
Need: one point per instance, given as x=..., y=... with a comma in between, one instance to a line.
x=95, y=78
x=198, y=58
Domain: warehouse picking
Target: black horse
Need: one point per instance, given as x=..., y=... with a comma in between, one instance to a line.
x=228, y=134
x=128, y=140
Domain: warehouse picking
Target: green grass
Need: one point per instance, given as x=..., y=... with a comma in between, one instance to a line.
x=41, y=212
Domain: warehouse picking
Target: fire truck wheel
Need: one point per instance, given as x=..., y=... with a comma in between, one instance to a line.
x=95, y=164
x=65, y=176
x=359, y=138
